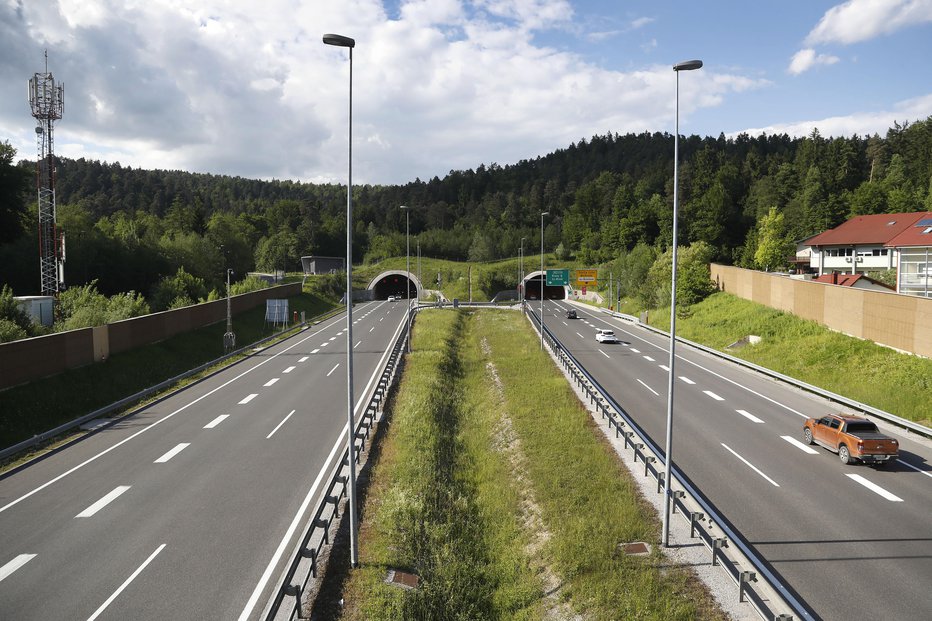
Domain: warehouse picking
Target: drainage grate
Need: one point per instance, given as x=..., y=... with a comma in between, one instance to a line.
x=636, y=548
x=402, y=579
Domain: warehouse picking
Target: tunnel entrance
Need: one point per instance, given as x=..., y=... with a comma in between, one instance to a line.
x=533, y=286
x=393, y=285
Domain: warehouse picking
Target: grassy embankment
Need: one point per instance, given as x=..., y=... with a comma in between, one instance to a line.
x=46, y=403
x=879, y=376
x=506, y=509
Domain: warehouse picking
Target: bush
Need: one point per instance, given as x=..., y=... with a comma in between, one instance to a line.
x=15, y=320
x=10, y=331
x=172, y=290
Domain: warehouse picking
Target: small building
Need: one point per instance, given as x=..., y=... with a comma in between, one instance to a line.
x=323, y=265
x=914, y=257
x=855, y=281
x=862, y=244
x=40, y=308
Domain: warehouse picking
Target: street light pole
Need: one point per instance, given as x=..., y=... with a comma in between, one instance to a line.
x=688, y=65
x=341, y=41
x=543, y=278
x=408, y=269
x=522, y=269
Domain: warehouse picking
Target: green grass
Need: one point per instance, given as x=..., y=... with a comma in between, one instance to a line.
x=46, y=403
x=886, y=379
x=458, y=468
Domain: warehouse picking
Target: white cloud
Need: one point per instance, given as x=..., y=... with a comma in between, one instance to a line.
x=253, y=91
x=805, y=59
x=640, y=22
x=860, y=20
x=860, y=123
x=602, y=36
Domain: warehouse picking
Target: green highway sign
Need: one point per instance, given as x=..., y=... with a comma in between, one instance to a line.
x=558, y=278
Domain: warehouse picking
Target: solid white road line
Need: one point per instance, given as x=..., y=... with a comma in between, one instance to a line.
x=270, y=382
x=649, y=388
x=123, y=586
x=15, y=564
x=248, y=399
x=751, y=466
x=216, y=421
x=604, y=354
x=800, y=445
x=289, y=370
x=333, y=369
x=687, y=380
x=103, y=502
x=279, y=425
x=713, y=395
x=303, y=359
x=158, y=422
x=909, y=465
x=649, y=359
x=750, y=416
x=314, y=351
x=874, y=487
x=164, y=458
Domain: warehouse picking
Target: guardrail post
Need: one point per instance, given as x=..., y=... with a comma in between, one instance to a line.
x=717, y=544
x=694, y=518
x=660, y=477
x=628, y=436
x=638, y=447
x=311, y=553
x=744, y=578
x=324, y=524
x=648, y=460
x=294, y=590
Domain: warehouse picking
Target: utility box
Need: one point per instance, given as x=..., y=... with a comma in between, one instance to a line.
x=40, y=308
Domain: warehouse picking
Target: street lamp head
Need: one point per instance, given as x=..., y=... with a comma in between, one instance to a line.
x=402, y=207
x=339, y=40
x=687, y=65
x=545, y=213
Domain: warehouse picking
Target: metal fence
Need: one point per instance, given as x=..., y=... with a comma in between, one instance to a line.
x=757, y=583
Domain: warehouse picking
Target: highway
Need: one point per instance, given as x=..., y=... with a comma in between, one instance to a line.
x=188, y=509
x=855, y=542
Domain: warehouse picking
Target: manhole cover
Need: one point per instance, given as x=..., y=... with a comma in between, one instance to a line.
x=636, y=548
x=402, y=579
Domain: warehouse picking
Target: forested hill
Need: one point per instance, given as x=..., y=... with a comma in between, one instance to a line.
x=129, y=227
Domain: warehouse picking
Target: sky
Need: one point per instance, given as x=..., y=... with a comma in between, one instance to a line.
x=248, y=88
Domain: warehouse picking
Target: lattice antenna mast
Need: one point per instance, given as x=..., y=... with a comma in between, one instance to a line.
x=47, y=102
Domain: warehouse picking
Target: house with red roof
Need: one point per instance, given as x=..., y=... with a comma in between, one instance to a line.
x=855, y=281
x=900, y=241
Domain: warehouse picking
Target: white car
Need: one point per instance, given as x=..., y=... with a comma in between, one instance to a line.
x=392, y=298
x=605, y=336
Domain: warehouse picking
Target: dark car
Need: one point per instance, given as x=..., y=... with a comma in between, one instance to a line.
x=571, y=314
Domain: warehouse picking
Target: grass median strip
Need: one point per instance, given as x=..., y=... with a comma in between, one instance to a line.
x=493, y=486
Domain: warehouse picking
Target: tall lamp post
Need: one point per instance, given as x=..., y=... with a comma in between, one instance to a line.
x=543, y=277
x=688, y=65
x=521, y=260
x=341, y=41
x=408, y=269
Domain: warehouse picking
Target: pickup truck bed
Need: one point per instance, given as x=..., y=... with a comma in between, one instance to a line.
x=852, y=437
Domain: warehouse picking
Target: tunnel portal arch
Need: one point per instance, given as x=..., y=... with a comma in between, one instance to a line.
x=532, y=284
x=394, y=282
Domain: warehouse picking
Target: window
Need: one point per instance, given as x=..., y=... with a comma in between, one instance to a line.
x=825, y=420
x=835, y=423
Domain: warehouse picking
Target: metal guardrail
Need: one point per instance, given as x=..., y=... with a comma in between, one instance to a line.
x=38, y=439
x=893, y=419
x=304, y=559
x=769, y=596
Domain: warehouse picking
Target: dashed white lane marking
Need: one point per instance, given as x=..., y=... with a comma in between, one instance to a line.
x=687, y=380
x=324, y=344
x=270, y=382
x=566, y=324
x=649, y=359
x=103, y=502
x=278, y=426
x=372, y=328
x=800, y=445
x=15, y=564
x=713, y=395
x=751, y=466
x=164, y=458
x=333, y=369
x=314, y=351
x=909, y=465
x=303, y=359
x=381, y=318
x=289, y=370
x=216, y=421
x=604, y=354
x=580, y=335
x=664, y=367
x=357, y=344
x=333, y=338
x=248, y=399
x=123, y=586
x=749, y=416
x=857, y=478
x=649, y=388
x=637, y=351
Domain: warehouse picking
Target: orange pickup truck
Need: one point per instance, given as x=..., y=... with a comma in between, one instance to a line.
x=852, y=437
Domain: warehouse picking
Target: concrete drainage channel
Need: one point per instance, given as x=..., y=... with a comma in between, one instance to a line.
x=757, y=586
x=306, y=568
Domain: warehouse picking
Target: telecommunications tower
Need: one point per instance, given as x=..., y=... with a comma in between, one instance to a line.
x=47, y=102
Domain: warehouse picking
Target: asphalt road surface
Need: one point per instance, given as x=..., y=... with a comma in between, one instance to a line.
x=855, y=542
x=188, y=509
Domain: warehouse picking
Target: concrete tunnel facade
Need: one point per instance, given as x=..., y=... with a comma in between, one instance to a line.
x=394, y=282
x=535, y=281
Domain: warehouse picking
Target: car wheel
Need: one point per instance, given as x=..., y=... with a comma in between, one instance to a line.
x=844, y=455
x=807, y=434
